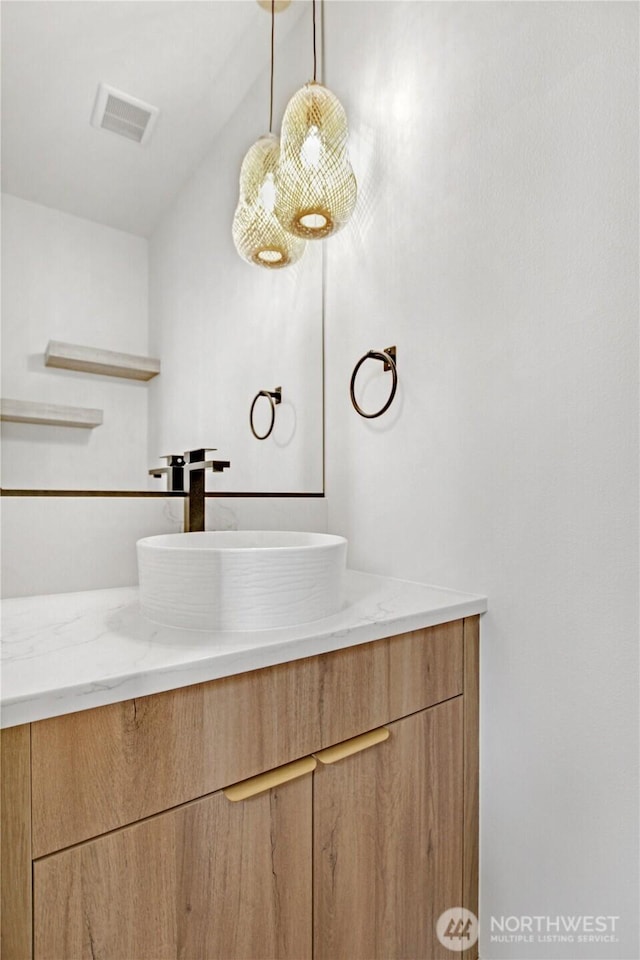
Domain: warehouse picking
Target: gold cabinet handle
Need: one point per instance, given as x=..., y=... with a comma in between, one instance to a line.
x=355, y=745
x=272, y=778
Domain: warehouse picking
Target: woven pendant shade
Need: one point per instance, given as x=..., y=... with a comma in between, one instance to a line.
x=257, y=234
x=316, y=188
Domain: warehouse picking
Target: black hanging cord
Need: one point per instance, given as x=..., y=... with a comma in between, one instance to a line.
x=273, y=33
x=315, y=61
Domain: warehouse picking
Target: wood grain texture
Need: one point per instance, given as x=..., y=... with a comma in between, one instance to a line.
x=425, y=667
x=100, y=769
x=352, y=692
x=103, y=768
x=471, y=702
x=110, y=363
x=15, y=847
x=387, y=842
x=51, y=414
x=211, y=879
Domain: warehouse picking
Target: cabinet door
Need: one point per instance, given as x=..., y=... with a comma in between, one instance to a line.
x=211, y=879
x=388, y=841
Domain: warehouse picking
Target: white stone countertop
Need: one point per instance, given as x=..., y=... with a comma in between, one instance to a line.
x=72, y=651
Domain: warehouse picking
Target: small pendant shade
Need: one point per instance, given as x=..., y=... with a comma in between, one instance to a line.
x=315, y=187
x=258, y=236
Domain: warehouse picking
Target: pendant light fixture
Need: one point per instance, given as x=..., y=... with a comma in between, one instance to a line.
x=316, y=189
x=257, y=234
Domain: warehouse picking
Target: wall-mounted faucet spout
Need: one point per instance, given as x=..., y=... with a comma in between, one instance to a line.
x=194, y=463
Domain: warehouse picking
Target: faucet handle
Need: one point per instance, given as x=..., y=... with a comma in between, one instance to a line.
x=218, y=465
x=173, y=460
x=174, y=471
x=195, y=456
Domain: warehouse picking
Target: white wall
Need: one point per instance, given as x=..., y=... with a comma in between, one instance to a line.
x=226, y=329
x=64, y=544
x=495, y=242
x=64, y=278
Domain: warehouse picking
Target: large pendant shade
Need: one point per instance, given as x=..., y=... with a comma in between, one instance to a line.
x=315, y=186
x=257, y=234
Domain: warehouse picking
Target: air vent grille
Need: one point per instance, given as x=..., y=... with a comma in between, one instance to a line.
x=123, y=114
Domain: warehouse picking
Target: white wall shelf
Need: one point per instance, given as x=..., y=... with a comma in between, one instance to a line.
x=26, y=411
x=109, y=363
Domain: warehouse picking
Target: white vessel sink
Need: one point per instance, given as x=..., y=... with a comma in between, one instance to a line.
x=240, y=579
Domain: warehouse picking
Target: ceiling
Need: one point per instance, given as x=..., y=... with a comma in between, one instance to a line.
x=194, y=59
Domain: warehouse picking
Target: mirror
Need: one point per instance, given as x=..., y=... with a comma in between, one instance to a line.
x=122, y=246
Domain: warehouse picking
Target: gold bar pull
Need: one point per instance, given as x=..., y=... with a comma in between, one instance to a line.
x=355, y=745
x=272, y=778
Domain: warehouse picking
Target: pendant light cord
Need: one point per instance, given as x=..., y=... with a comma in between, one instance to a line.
x=273, y=33
x=315, y=61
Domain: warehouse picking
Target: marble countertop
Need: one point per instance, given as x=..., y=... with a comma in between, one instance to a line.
x=68, y=652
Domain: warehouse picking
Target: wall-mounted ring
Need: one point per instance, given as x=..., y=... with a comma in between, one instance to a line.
x=274, y=397
x=389, y=359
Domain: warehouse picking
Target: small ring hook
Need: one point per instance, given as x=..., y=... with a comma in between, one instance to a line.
x=274, y=397
x=389, y=359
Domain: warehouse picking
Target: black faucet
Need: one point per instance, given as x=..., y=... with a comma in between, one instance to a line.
x=194, y=463
x=174, y=471
x=194, y=504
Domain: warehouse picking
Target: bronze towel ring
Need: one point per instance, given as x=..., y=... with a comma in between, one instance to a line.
x=274, y=397
x=388, y=357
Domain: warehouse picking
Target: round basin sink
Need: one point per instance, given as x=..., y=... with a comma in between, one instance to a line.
x=240, y=579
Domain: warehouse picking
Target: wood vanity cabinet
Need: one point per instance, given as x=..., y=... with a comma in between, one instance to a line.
x=124, y=838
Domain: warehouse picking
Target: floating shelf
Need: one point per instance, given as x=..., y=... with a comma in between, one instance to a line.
x=24, y=411
x=109, y=363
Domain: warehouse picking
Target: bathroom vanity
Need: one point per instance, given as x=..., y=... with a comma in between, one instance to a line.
x=290, y=793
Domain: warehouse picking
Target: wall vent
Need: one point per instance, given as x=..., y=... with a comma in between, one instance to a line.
x=123, y=114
